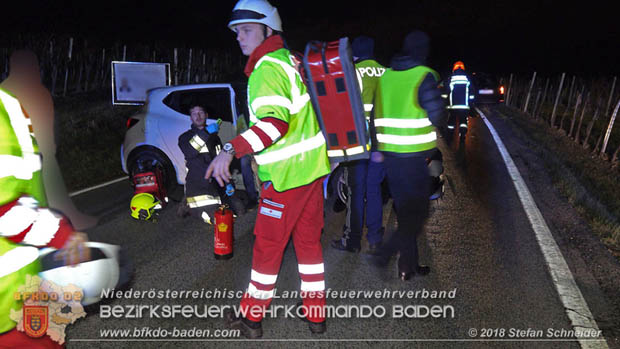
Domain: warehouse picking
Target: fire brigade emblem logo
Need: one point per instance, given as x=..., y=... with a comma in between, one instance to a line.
x=222, y=227
x=36, y=320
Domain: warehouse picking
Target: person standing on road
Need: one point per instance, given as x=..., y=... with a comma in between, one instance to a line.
x=25, y=223
x=292, y=160
x=459, y=87
x=364, y=177
x=200, y=145
x=459, y=98
x=407, y=106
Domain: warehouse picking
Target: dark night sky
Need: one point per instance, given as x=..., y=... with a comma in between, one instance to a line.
x=497, y=36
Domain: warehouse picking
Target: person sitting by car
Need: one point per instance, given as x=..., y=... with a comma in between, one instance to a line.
x=201, y=144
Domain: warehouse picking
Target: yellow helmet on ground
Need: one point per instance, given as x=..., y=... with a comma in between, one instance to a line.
x=142, y=206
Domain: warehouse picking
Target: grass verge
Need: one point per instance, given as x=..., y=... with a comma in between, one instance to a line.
x=89, y=133
x=588, y=183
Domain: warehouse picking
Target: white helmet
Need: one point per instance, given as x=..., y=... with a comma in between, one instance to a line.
x=256, y=11
x=107, y=269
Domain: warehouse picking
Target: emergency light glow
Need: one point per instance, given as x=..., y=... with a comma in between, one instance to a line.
x=501, y=90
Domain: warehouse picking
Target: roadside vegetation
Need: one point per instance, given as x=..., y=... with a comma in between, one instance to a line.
x=588, y=182
x=89, y=133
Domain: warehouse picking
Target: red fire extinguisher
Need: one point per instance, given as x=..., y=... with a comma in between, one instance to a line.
x=223, y=237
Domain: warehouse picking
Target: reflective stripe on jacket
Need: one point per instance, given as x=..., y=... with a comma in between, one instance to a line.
x=402, y=125
x=20, y=159
x=276, y=90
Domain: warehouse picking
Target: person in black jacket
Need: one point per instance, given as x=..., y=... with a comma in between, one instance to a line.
x=408, y=104
x=201, y=144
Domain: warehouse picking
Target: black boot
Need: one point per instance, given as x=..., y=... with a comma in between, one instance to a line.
x=315, y=327
x=373, y=249
x=339, y=245
x=422, y=270
x=405, y=272
x=250, y=329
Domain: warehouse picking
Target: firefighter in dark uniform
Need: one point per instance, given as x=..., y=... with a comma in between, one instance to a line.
x=408, y=105
x=459, y=98
x=200, y=144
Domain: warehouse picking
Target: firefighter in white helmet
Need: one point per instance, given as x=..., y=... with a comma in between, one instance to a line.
x=291, y=154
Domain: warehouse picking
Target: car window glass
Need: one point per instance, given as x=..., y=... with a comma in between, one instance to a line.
x=215, y=100
x=484, y=80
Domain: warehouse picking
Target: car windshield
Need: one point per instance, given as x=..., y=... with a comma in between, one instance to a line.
x=485, y=80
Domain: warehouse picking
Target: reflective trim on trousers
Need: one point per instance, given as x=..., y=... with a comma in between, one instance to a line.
x=259, y=294
x=312, y=286
x=265, y=279
x=311, y=268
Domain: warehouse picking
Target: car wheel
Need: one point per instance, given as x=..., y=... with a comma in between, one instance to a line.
x=338, y=183
x=149, y=159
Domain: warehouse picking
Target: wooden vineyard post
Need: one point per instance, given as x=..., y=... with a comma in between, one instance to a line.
x=557, y=98
x=529, y=92
x=591, y=125
x=583, y=112
x=611, y=125
x=64, y=91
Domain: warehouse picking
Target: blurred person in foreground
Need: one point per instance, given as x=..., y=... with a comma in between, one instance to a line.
x=26, y=224
x=24, y=82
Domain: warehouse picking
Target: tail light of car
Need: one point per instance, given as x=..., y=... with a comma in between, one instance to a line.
x=131, y=122
x=501, y=90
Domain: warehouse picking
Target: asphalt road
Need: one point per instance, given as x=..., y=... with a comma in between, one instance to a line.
x=489, y=284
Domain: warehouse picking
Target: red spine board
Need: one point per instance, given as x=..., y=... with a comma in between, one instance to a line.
x=333, y=86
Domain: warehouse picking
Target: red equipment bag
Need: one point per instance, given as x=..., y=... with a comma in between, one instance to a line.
x=334, y=89
x=151, y=182
x=223, y=236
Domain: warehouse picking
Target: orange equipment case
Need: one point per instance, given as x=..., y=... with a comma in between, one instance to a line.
x=335, y=93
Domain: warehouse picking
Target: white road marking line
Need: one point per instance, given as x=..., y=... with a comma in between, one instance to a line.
x=575, y=305
x=82, y=191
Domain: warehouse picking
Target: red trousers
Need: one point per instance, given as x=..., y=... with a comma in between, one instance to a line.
x=298, y=213
x=16, y=339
